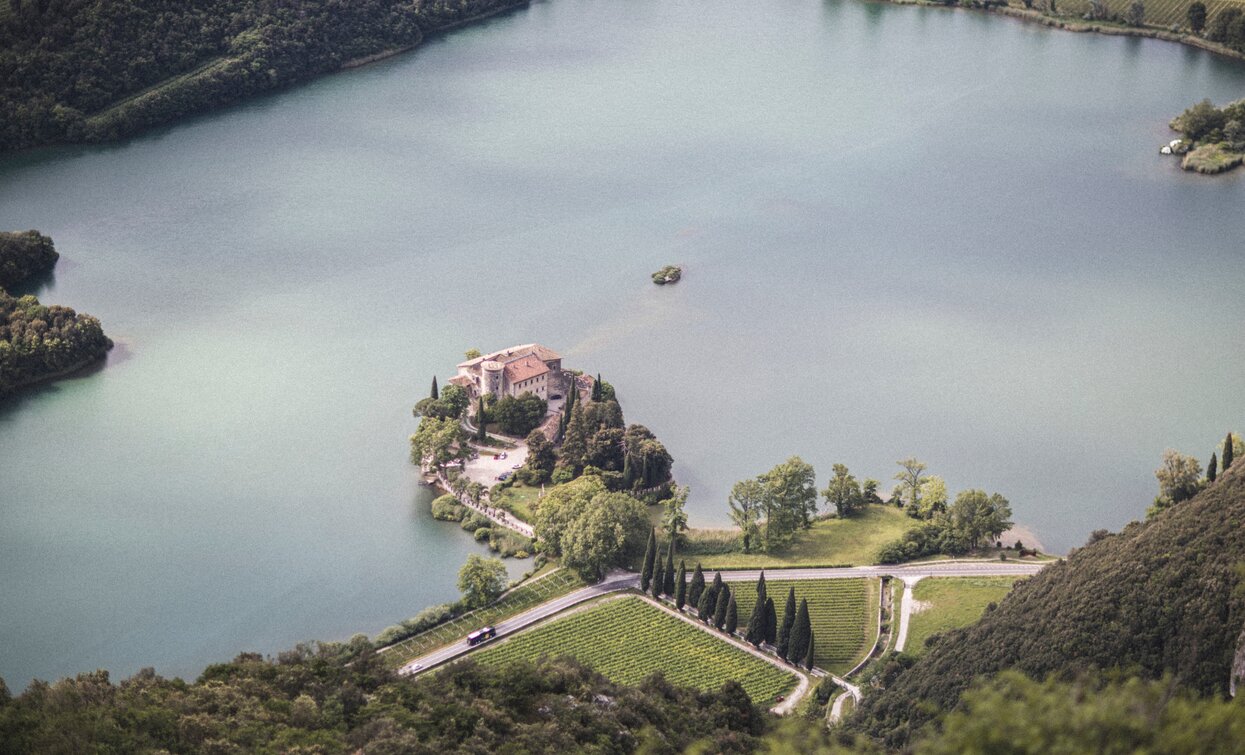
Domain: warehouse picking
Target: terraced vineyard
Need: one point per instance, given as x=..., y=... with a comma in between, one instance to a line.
x=843, y=613
x=627, y=639
x=1161, y=13
x=517, y=600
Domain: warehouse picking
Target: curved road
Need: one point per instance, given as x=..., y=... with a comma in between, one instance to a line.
x=619, y=580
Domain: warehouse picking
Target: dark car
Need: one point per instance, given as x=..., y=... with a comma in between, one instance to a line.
x=481, y=635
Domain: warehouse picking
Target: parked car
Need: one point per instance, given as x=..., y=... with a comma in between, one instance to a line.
x=503, y=476
x=555, y=396
x=503, y=455
x=517, y=466
x=481, y=635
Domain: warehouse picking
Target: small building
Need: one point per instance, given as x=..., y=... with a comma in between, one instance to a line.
x=530, y=368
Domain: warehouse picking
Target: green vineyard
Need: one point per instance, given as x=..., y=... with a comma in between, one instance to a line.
x=628, y=639
x=517, y=600
x=843, y=613
x=1161, y=13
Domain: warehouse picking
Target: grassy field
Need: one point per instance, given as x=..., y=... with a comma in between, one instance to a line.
x=843, y=613
x=520, y=501
x=953, y=602
x=521, y=598
x=628, y=639
x=832, y=542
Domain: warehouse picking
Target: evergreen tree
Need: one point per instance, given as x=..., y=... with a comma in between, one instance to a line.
x=716, y=587
x=596, y=388
x=481, y=433
x=800, y=632
x=755, y=633
x=719, y=611
x=771, y=621
x=704, y=609
x=658, y=581
x=697, y=588
x=1227, y=453
x=732, y=615
x=435, y=394
x=788, y=619
x=667, y=585
x=575, y=440
x=628, y=472
x=680, y=586
x=650, y=555
x=1212, y=469
x=808, y=657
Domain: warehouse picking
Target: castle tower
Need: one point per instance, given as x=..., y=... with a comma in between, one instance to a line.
x=491, y=374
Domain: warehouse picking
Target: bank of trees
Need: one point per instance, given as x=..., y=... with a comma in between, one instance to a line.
x=38, y=341
x=518, y=415
x=590, y=527
x=1180, y=477
x=23, y=255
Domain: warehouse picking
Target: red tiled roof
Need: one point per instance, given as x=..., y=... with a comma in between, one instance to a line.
x=524, y=368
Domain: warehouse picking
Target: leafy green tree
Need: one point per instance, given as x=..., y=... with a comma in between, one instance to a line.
x=434, y=395
x=521, y=415
x=732, y=615
x=1212, y=468
x=667, y=585
x=791, y=488
x=438, y=442
x=801, y=632
x=562, y=505
x=911, y=478
x=673, y=517
x=648, y=460
x=650, y=555
x=788, y=621
x=747, y=503
x=1197, y=16
x=472, y=354
x=809, y=659
x=1179, y=479
x=771, y=621
x=481, y=580
x=1136, y=13
x=609, y=532
x=976, y=516
x=705, y=606
x=680, y=586
x=658, y=579
x=843, y=492
x=541, y=458
x=933, y=500
x=869, y=490
x=452, y=403
x=697, y=587
x=721, y=604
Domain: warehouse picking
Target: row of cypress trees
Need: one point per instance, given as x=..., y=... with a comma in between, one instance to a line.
x=715, y=604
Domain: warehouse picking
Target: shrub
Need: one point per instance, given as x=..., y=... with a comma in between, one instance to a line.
x=447, y=509
x=482, y=533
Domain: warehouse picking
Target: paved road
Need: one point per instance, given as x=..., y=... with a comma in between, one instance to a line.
x=621, y=580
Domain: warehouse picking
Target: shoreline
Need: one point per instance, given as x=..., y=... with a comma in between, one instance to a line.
x=424, y=35
x=67, y=372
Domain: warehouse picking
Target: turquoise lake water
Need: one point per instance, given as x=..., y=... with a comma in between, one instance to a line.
x=905, y=232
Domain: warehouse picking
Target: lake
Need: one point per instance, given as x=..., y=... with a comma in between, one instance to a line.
x=905, y=231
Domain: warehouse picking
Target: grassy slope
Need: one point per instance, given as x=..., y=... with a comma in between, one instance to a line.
x=627, y=640
x=953, y=602
x=843, y=613
x=1160, y=597
x=832, y=542
x=520, y=501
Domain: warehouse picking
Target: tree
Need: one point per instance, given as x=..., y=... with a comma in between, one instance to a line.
x=869, y=490
x=650, y=555
x=755, y=633
x=560, y=507
x=910, y=481
x=704, y=608
x=658, y=579
x=596, y=388
x=673, y=517
x=472, y=354
x=608, y=532
x=575, y=440
x=974, y=515
x=434, y=395
x=771, y=621
x=843, y=492
x=541, y=458
x=788, y=621
x=808, y=655
x=521, y=415
x=933, y=499
x=646, y=461
x=680, y=586
x=452, y=403
x=801, y=632
x=719, y=611
x=792, y=487
x=746, y=502
x=667, y=585
x=1197, y=16
x=732, y=615
x=481, y=417
x=697, y=587
x=481, y=580
x=1136, y=13
x=717, y=587
x=1098, y=10
x=1229, y=450
x=1179, y=478
x=1212, y=468
x=438, y=442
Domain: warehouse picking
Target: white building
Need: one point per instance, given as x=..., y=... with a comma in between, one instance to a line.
x=530, y=368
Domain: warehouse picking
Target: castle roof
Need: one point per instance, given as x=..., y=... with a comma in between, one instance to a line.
x=505, y=356
x=525, y=368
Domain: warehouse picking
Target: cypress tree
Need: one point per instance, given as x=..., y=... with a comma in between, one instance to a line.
x=481, y=433
x=596, y=388
x=650, y=555
x=704, y=609
x=667, y=585
x=799, y=634
x=697, y=587
x=1227, y=453
x=732, y=616
x=628, y=472
x=1212, y=469
x=680, y=586
x=435, y=393
x=808, y=657
x=657, y=580
x=771, y=621
x=755, y=633
x=719, y=611
x=788, y=619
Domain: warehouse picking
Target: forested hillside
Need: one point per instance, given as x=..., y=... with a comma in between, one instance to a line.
x=1159, y=598
x=89, y=70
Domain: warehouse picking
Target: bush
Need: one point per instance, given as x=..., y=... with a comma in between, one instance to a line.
x=420, y=622
x=483, y=533
x=447, y=509
x=475, y=522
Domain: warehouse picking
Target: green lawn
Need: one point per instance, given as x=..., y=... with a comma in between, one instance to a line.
x=953, y=602
x=843, y=613
x=520, y=501
x=833, y=542
x=627, y=639
x=533, y=592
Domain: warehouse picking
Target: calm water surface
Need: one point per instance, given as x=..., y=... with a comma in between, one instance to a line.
x=906, y=231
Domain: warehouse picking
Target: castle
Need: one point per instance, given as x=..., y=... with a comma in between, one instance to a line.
x=530, y=368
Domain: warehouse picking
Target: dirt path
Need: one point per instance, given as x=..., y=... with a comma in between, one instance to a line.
x=906, y=607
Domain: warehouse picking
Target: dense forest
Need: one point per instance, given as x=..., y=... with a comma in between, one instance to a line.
x=23, y=255
x=1159, y=598
x=90, y=70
